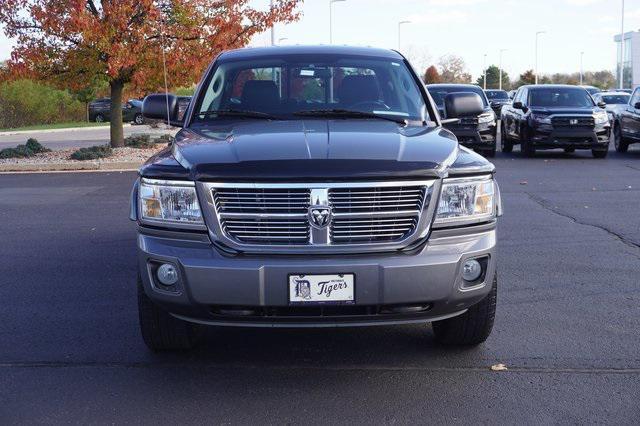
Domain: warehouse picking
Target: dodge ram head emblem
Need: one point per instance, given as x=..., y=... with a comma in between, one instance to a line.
x=573, y=121
x=319, y=216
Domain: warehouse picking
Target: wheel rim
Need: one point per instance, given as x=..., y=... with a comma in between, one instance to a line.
x=99, y=119
x=138, y=119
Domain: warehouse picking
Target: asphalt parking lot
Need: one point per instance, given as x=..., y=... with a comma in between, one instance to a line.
x=566, y=327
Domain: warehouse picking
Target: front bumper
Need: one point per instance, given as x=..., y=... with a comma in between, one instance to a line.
x=475, y=136
x=244, y=290
x=548, y=137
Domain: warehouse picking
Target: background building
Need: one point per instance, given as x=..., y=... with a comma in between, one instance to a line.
x=631, y=59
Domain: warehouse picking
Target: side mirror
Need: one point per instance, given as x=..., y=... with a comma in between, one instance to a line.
x=637, y=105
x=602, y=104
x=463, y=105
x=155, y=107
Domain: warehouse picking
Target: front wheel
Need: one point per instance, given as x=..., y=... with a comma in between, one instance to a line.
x=489, y=153
x=471, y=328
x=526, y=145
x=138, y=119
x=505, y=143
x=99, y=118
x=618, y=140
x=598, y=153
x=160, y=330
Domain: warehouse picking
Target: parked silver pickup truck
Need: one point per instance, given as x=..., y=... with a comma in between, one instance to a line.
x=315, y=187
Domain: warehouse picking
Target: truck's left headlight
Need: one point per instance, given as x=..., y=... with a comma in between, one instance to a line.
x=601, y=117
x=173, y=203
x=487, y=117
x=465, y=201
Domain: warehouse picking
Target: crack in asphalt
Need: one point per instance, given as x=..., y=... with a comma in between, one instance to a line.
x=483, y=369
x=545, y=205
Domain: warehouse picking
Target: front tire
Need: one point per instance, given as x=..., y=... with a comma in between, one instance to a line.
x=618, y=140
x=471, y=328
x=160, y=330
x=526, y=145
x=138, y=119
x=99, y=118
x=599, y=153
x=505, y=143
x=489, y=153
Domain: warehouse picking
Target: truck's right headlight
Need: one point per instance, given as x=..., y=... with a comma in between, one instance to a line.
x=169, y=203
x=467, y=200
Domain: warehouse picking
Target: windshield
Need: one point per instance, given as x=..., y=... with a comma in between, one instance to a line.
x=616, y=99
x=560, y=97
x=438, y=93
x=284, y=87
x=497, y=95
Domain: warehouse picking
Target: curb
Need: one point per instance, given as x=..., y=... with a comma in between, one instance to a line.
x=71, y=167
x=67, y=129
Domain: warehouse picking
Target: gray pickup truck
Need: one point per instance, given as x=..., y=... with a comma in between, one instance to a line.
x=314, y=187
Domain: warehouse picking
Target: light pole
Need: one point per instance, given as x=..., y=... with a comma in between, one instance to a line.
x=581, y=63
x=399, y=25
x=331, y=2
x=484, y=71
x=622, y=47
x=500, y=77
x=536, y=70
x=273, y=34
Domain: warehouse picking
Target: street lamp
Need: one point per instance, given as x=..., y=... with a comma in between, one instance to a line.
x=484, y=71
x=331, y=2
x=399, y=25
x=581, y=63
x=500, y=77
x=622, y=47
x=536, y=71
x=273, y=34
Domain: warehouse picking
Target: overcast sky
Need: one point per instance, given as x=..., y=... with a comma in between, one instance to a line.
x=468, y=28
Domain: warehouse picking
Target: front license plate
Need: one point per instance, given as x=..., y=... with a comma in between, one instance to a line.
x=315, y=289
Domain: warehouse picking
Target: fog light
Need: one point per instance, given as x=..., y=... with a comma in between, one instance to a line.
x=471, y=270
x=167, y=274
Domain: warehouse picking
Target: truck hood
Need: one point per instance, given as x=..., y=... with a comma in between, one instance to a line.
x=313, y=150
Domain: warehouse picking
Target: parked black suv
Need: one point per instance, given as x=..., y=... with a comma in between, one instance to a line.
x=497, y=98
x=314, y=187
x=626, y=123
x=477, y=132
x=100, y=111
x=555, y=116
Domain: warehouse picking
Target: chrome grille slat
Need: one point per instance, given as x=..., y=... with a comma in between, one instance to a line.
x=264, y=215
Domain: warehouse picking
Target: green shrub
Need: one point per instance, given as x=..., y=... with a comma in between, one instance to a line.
x=34, y=146
x=31, y=148
x=92, y=153
x=139, y=141
x=27, y=103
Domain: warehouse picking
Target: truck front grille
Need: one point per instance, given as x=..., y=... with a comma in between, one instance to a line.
x=319, y=214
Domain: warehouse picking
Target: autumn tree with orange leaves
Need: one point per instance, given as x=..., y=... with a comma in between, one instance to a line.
x=76, y=43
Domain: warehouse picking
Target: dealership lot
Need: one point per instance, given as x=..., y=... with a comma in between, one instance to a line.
x=567, y=322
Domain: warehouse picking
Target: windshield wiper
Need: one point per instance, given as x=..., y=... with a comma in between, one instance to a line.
x=347, y=113
x=237, y=113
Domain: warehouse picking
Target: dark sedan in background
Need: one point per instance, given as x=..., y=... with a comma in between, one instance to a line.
x=477, y=132
x=100, y=111
x=555, y=116
x=497, y=98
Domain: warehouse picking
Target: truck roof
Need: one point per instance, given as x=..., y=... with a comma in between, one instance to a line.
x=265, y=52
